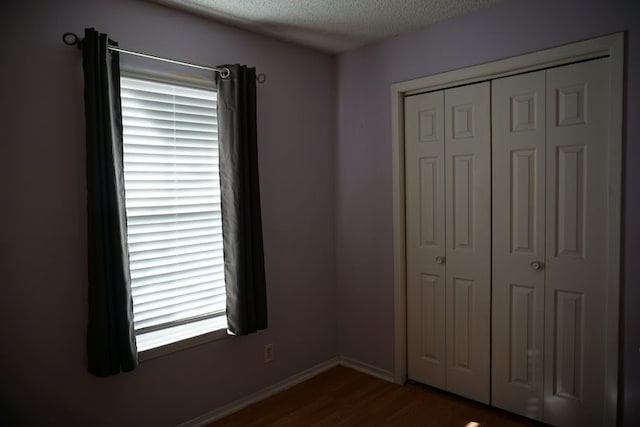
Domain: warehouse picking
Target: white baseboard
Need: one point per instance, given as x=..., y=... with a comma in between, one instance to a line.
x=280, y=386
x=256, y=397
x=365, y=368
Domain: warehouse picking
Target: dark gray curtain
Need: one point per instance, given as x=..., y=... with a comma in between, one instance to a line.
x=240, y=192
x=111, y=345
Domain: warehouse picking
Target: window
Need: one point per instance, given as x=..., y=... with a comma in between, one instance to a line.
x=173, y=210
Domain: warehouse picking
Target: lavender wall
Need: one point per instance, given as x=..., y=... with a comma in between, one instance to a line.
x=307, y=184
x=42, y=219
x=363, y=154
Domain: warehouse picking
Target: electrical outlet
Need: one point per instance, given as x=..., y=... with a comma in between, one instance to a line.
x=268, y=353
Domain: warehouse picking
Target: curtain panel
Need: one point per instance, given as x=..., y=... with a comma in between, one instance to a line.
x=111, y=344
x=240, y=196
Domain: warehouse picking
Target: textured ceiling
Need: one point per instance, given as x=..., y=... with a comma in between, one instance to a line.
x=330, y=25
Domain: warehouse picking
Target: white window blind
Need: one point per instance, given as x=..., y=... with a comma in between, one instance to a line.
x=173, y=210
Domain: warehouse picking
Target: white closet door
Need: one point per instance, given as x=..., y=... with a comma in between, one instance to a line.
x=576, y=240
x=424, y=165
x=518, y=154
x=468, y=243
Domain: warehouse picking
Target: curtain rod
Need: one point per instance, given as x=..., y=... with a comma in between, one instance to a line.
x=224, y=72
x=72, y=39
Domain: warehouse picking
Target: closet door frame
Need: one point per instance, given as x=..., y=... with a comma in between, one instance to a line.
x=611, y=46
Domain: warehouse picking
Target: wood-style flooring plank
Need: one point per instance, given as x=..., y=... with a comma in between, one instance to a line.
x=343, y=397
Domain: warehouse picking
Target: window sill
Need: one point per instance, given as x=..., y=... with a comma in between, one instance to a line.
x=218, y=333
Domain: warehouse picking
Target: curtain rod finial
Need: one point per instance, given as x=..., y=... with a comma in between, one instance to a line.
x=71, y=39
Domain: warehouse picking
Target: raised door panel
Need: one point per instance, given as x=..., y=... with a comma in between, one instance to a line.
x=424, y=166
x=462, y=200
x=576, y=243
x=432, y=319
x=569, y=207
x=569, y=351
x=518, y=200
x=462, y=327
x=468, y=244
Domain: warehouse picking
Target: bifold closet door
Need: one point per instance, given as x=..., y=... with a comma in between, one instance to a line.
x=425, y=225
x=550, y=198
x=576, y=243
x=468, y=240
x=448, y=230
x=518, y=170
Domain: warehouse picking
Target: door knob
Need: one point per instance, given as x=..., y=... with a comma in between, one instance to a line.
x=439, y=260
x=536, y=265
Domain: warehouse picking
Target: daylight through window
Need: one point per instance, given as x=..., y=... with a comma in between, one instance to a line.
x=173, y=210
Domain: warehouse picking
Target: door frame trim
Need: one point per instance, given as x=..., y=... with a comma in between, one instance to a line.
x=611, y=46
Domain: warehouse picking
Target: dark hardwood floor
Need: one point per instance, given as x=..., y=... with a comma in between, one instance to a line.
x=344, y=397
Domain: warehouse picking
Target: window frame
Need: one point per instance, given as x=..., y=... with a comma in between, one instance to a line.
x=197, y=82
